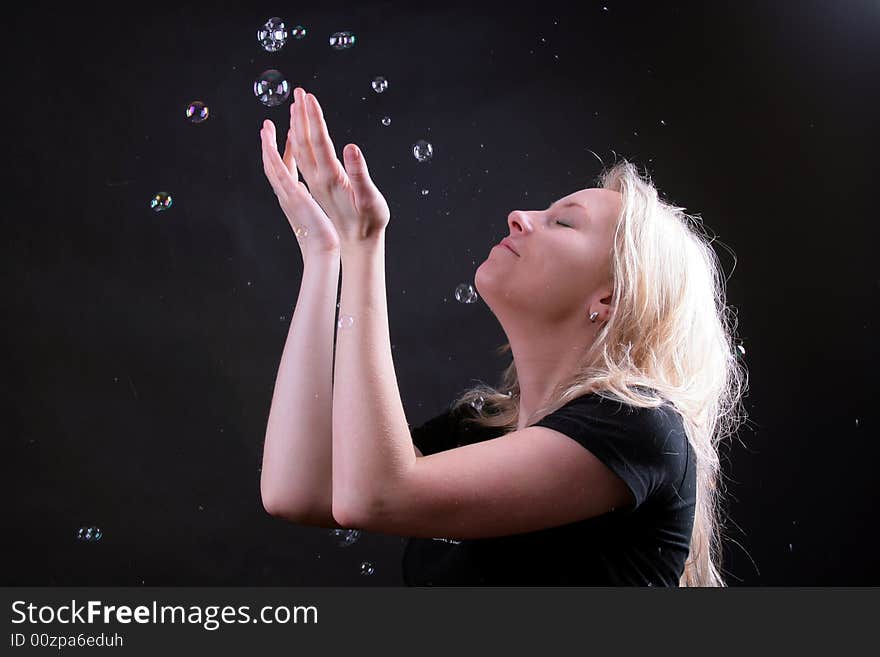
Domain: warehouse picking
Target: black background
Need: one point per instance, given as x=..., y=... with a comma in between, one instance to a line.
x=142, y=348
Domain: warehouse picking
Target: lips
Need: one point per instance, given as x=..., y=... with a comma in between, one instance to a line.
x=506, y=242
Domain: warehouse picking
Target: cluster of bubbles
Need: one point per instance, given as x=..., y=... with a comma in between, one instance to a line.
x=89, y=534
x=347, y=538
x=273, y=35
x=272, y=88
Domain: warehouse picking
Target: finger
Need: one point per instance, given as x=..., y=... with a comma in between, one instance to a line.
x=325, y=153
x=301, y=134
x=289, y=158
x=271, y=160
x=365, y=192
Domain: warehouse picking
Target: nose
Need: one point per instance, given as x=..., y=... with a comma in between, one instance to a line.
x=518, y=221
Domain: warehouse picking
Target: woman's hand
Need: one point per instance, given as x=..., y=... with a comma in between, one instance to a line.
x=314, y=231
x=348, y=195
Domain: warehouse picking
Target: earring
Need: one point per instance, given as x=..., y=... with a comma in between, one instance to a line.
x=593, y=316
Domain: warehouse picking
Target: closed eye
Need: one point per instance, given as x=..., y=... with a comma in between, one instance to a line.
x=564, y=224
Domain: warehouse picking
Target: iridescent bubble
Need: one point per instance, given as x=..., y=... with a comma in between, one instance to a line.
x=342, y=40
x=478, y=403
x=386, y=120
x=271, y=88
x=422, y=150
x=425, y=192
x=89, y=534
x=465, y=293
x=196, y=112
x=380, y=84
x=345, y=321
x=298, y=32
x=301, y=231
x=160, y=202
x=367, y=568
x=273, y=35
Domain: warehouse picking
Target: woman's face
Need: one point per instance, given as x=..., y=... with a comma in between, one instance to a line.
x=562, y=258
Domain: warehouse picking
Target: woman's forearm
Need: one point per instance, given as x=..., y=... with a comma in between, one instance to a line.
x=371, y=439
x=296, y=480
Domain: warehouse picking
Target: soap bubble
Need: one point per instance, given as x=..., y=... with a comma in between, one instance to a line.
x=345, y=321
x=298, y=32
x=380, y=84
x=196, y=112
x=422, y=150
x=348, y=536
x=478, y=403
x=367, y=568
x=160, y=202
x=425, y=192
x=89, y=534
x=386, y=120
x=271, y=88
x=342, y=40
x=273, y=35
x=465, y=293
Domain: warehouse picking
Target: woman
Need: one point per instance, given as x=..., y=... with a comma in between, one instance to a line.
x=597, y=465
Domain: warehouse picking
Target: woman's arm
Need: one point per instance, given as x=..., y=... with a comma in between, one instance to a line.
x=296, y=475
x=372, y=447
x=296, y=480
x=371, y=437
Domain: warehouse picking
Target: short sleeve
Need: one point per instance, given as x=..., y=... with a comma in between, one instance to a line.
x=640, y=445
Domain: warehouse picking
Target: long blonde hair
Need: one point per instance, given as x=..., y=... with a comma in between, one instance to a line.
x=671, y=331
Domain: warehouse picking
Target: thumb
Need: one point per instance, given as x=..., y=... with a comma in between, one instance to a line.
x=358, y=174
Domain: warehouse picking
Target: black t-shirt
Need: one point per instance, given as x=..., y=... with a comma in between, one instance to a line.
x=645, y=544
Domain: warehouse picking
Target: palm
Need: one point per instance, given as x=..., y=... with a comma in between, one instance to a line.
x=311, y=225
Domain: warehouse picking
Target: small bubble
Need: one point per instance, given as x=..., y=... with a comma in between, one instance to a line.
x=271, y=88
x=89, y=534
x=299, y=32
x=345, y=321
x=348, y=536
x=196, y=112
x=273, y=35
x=386, y=120
x=422, y=150
x=424, y=192
x=367, y=568
x=465, y=293
x=161, y=201
x=342, y=40
x=380, y=84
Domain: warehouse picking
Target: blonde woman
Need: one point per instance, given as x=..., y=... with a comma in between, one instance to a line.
x=594, y=463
